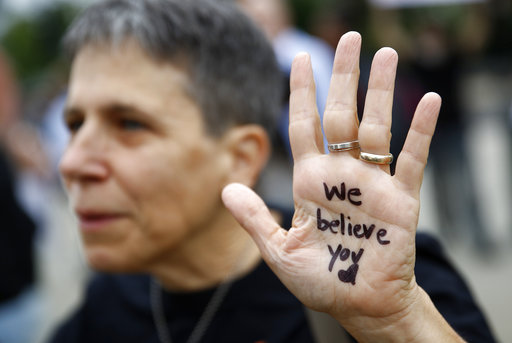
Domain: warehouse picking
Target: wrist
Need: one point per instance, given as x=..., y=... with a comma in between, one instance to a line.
x=420, y=321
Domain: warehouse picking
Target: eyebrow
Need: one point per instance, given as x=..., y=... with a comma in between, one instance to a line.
x=119, y=108
x=114, y=108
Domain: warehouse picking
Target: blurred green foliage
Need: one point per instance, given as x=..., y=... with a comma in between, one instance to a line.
x=352, y=12
x=33, y=42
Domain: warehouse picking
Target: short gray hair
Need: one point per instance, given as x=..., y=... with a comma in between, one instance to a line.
x=234, y=76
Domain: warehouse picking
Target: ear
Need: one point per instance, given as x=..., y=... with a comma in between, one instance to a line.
x=249, y=148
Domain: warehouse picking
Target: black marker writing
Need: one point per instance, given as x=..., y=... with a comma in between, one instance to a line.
x=380, y=234
x=348, y=275
x=344, y=227
x=341, y=193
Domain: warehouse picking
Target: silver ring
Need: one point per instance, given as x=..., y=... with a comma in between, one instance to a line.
x=345, y=146
x=376, y=159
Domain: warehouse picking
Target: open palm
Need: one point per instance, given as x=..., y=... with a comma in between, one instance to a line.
x=351, y=249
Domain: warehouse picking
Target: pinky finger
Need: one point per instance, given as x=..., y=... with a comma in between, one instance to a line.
x=413, y=158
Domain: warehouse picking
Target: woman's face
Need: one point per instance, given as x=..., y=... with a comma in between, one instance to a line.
x=141, y=173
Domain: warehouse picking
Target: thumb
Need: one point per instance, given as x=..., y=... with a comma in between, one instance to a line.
x=254, y=216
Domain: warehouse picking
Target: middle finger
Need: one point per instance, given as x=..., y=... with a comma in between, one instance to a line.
x=340, y=117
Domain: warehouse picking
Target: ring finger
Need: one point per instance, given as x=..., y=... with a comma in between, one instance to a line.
x=375, y=130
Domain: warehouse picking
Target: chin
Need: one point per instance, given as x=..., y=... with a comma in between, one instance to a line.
x=106, y=261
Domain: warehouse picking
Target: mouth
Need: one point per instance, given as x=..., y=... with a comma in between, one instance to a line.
x=93, y=221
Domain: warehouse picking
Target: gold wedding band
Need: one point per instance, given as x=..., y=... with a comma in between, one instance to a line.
x=345, y=146
x=376, y=159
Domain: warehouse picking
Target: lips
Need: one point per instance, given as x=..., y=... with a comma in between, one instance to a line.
x=90, y=221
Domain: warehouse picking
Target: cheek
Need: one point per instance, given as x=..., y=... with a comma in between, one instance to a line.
x=191, y=190
x=172, y=195
x=168, y=219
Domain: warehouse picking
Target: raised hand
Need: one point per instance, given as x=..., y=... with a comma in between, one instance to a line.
x=351, y=249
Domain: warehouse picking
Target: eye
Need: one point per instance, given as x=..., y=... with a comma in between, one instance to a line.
x=74, y=124
x=131, y=124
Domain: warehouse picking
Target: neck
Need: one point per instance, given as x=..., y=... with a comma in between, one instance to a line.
x=209, y=257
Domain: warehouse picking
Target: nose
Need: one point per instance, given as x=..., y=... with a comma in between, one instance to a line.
x=85, y=157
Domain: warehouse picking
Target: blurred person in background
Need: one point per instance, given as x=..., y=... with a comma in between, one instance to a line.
x=438, y=58
x=155, y=151
x=36, y=140
x=276, y=18
x=21, y=305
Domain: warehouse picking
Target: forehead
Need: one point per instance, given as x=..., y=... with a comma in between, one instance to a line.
x=105, y=72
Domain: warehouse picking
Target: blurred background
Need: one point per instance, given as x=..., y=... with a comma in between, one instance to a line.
x=461, y=49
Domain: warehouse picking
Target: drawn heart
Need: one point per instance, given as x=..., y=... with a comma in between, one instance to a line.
x=349, y=275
